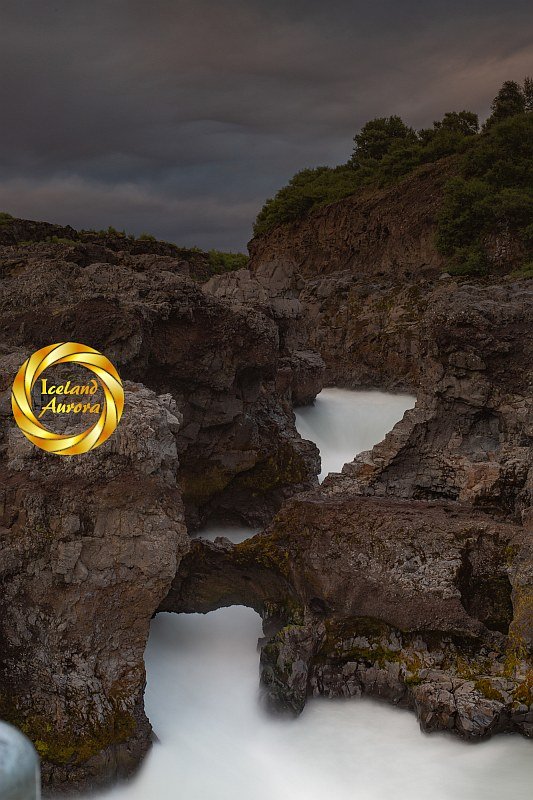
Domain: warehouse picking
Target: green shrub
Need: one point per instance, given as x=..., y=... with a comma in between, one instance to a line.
x=378, y=138
x=147, y=237
x=5, y=218
x=220, y=262
x=307, y=190
x=60, y=240
x=469, y=261
x=463, y=215
x=493, y=195
x=525, y=271
x=493, y=189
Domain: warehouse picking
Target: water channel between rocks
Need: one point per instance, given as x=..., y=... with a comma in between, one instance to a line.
x=217, y=743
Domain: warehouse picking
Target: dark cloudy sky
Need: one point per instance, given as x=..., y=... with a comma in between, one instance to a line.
x=179, y=117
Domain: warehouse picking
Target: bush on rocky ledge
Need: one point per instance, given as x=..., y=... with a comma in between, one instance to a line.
x=491, y=197
x=487, y=204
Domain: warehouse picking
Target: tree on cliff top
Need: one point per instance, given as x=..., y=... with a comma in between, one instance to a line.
x=491, y=196
x=386, y=149
x=464, y=122
x=509, y=102
x=378, y=137
x=528, y=93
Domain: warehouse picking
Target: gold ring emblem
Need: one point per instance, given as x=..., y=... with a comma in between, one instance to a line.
x=112, y=407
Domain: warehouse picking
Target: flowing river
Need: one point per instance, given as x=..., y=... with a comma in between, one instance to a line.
x=216, y=742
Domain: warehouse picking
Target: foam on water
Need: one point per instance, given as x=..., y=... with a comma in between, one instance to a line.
x=217, y=743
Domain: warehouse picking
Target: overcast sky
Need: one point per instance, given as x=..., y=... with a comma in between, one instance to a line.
x=179, y=117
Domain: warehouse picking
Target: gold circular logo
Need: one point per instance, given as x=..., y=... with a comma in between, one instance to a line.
x=72, y=398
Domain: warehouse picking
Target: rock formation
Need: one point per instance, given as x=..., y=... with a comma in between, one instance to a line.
x=377, y=233
x=88, y=549
x=357, y=276
x=225, y=365
x=408, y=576
x=354, y=277
x=90, y=544
x=367, y=333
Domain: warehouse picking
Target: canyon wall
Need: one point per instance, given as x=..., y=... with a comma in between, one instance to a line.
x=90, y=544
x=355, y=278
x=377, y=232
x=409, y=575
x=234, y=383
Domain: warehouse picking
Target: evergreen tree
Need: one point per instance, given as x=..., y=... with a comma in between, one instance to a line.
x=509, y=102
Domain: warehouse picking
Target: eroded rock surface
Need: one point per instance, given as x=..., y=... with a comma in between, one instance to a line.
x=469, y=437
x=361, y=271
x=367, y=331
x=224, y=364
x=357, y=276
x=88, y=548
x=90, y=544
x=377, y=232
x=409, y=575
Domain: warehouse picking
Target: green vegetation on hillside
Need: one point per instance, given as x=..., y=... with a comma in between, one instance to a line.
x=220, y=262
x=202, y=264
x=306, y=191
x=385, y=150
x=492, y=195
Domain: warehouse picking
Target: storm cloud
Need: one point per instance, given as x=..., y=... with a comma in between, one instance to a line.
x=179, y=118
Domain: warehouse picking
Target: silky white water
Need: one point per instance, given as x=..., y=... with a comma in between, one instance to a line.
x=342, y=423
x=217, y=743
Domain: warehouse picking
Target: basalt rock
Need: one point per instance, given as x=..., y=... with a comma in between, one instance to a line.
x=409, y=575
x=89, y=546
x=224, y=364
x=469, y=437
x=376, y=233
x=363, y=318
x=360, y=271
x=241, y=289
x=392, y=598
x=366, y=331
x=33, y=238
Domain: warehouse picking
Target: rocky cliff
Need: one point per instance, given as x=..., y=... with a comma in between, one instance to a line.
x=355, y=277
x=375, y=233
x=89, y=545
x=408, y=576
x=225, y=366
x=367, y=333
x=88, y=549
